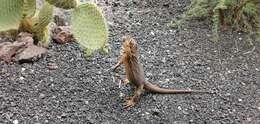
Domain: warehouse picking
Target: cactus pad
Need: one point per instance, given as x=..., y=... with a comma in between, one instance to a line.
x=89, y=27
x=65, y=4
x=29, y=8
x=10, y=14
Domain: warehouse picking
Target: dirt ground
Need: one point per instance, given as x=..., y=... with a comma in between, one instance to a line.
x=81, y=91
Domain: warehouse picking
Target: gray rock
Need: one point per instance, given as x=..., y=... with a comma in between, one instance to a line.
x=31, y=54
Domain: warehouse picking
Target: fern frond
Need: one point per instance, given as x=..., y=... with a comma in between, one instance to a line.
x=216, y=23
x=250, y=9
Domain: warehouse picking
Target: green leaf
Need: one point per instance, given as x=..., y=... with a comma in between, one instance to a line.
x=29, y=8
x=199, y=9
x=65, y=4
x=89, y=27
x=44, y=17
x=221, y=5
x=10, y=14
x=257, y=1
x=250, y=9
x=257, y=26
x=231, y=2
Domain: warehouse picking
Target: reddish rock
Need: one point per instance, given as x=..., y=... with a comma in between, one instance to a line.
x=25, y=37
x=22, y=49
x=8, y=50
x=59, y=21
x=62, y=34
x=31, y=53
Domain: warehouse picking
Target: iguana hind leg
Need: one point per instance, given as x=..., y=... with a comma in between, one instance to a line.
x=133, y=100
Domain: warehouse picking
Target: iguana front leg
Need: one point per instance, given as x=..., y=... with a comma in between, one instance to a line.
x=125, y=81
x=120, y=62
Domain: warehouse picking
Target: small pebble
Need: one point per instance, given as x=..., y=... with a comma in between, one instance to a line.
x=155, y=111
x=23, y=69
x=121, y=94
x=52, y=66
x=185, y=112
x=152, y=33
x=110, y=23
x=240, y=38
x=15, y=122
x=179, y=107
x=164, y=60
x=42, y=95
x=21, y=78
x=239, y=100
x=51, y=79
x=149, y=74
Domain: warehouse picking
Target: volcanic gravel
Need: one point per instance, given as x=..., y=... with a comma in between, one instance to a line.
x=81, y=90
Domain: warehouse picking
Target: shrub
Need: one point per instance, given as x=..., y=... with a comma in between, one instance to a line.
x=239, y=15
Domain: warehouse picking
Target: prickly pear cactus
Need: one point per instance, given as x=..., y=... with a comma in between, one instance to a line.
x=10, y=14
x=43, y=36
x=89, y=27
x=39, y=23
x=29, y=8
x=88, y=24
x=44, y=18
x=65, y=4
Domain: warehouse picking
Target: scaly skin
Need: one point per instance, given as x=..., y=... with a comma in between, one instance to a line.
x=135, y=73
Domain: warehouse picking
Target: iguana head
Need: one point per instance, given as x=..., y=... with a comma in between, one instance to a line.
x=130, y=46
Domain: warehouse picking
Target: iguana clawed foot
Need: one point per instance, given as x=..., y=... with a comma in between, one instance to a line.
x=129, y=103
x=125, y=81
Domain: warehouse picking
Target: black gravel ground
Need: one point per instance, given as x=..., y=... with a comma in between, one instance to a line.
x=80, y=91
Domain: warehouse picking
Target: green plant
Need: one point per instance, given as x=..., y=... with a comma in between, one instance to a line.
x=241, y=15
x=88, y=23
x=94, y=32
